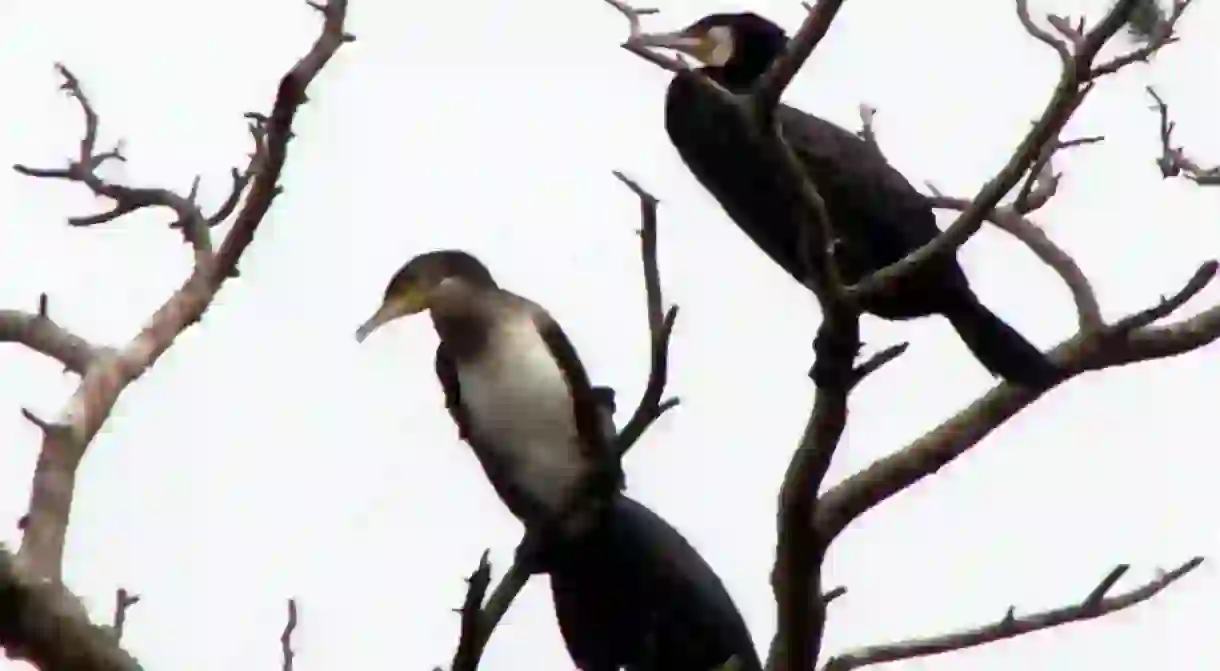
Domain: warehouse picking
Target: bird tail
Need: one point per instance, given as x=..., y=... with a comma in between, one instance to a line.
x=999, y=347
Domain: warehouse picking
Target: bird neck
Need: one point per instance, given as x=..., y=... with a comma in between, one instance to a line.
x=463, y=317
x=736, y=77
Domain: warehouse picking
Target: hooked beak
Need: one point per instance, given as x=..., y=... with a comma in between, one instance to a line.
x=680, y=40
x=388, y=312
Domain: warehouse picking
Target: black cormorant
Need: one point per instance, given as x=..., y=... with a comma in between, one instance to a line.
x=878, y=216
x=634, y=594
x=515, y=388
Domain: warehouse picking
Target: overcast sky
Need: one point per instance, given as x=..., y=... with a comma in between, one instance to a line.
x=268, y=456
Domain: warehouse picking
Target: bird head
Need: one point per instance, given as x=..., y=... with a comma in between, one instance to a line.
x=737, y=49
x=415, y=285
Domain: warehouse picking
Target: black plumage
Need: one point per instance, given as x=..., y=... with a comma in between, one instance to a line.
x=634, y=594
x=879, y=217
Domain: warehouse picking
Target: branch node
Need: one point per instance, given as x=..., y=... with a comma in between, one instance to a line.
x=1095, y=597
x=48, y=428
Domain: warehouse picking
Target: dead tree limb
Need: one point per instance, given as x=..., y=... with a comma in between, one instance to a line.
x=106, y=372
x=660, y=324
x=1173, y=160
x=46, y=626
x=1093, y=606
x=809, y=522
x=123, y=601
x=290, y=626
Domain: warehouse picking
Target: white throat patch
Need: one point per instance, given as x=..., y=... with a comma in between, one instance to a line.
x=722, y=39
x=518, y=400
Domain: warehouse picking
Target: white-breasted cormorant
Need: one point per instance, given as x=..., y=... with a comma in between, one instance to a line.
x=516, y=389
x=628, y=590
x=878, y=216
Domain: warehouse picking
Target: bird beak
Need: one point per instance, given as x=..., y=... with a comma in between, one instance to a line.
x=389, y=311
x=694, y=45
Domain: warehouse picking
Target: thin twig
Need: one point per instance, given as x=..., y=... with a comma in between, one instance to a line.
x=1096, y=605
x=123, y=601
x=660, y=327
x=83, y=169
x=1173, y=160
x=1075, y=82
x=290, y=626
x=632, y=43
x=47, y=626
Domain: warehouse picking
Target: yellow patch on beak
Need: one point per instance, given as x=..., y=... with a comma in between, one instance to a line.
x=402, y=305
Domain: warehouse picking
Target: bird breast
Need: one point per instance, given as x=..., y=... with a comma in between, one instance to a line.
x=520, y=407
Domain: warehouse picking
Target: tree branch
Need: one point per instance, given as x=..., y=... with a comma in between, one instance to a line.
x=1040, y=187
x=660, y=328
x=43, y=624
x=1173, y=161
x=470, y=641
x=1159, y=34
x=123, y=601
x=83, y=169
x=632, y=43
x=1088, y=311
x=1075, y=82
x=767, y=92
x=39, y=333
x=1125, y=343
x=107, y=374
x=1095, y=605
x=290, y=626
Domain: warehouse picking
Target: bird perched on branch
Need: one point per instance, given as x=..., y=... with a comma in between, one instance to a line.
x=517, y=391
x=877, y=215
x=632, y=593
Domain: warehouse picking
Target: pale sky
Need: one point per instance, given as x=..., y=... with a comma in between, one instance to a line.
x=268, y=456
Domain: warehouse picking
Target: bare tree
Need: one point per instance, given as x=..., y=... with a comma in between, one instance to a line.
x=811, y=517
x=42, y=622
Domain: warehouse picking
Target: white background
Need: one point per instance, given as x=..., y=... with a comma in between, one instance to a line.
x=268, y=456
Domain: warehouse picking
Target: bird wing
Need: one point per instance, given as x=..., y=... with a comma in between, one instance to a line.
x=635, y=593
x=856, y=173
x=446, y=372
x=584, y=400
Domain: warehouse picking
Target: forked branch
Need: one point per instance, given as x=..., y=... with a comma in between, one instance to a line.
x=803, y=542
x=105, y=372
x=1093, y=606
x=1076, y=80
x=660, y=326
x=1173, y=160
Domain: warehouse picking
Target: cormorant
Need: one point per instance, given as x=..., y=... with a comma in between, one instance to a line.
x=516, y=389
x=634, y=594
x=878, y=215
